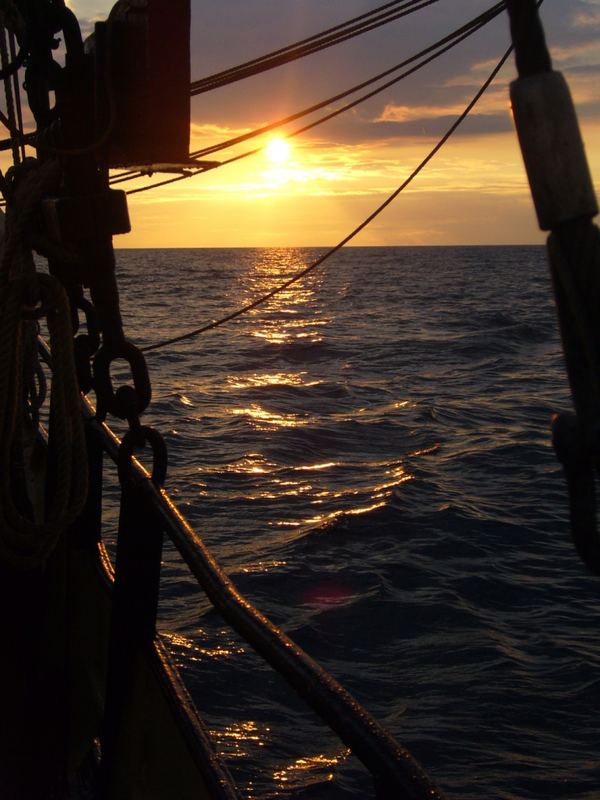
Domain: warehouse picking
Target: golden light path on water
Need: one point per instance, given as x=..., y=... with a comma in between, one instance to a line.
x=274, y=400
x=242, y=739
x=272, y=488
x=270, y=379
x=296, y=317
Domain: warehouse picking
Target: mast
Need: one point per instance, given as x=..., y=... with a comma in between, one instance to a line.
x=565, y=202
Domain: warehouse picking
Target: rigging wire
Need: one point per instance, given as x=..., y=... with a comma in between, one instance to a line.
x=308, y=40
x=456, y=37
x=9, y=96
x=17, y=91
x=15, y=64
x=194, y=88
x=71, y=29
x=470, y=27
x=299, y=275
x=451, y=41
x=293, y=52
x=298, y=131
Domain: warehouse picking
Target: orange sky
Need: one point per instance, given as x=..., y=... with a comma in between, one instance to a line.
x=473, y=192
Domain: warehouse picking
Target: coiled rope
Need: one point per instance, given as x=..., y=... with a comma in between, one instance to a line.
x=28, y=534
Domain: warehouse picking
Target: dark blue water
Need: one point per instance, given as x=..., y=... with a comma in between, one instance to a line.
x=368, y=455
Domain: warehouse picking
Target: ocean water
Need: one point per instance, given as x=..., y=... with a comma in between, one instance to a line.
x=368, y=455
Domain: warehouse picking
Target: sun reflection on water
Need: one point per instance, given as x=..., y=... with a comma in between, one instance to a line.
x=265, y=480
x=258, y=379
x=309, y=769
x=262, y=567
x=296, y=314
x=195, y=652
x=296, y=473
x=241, y=740
x=232, y=741
x=261, y=416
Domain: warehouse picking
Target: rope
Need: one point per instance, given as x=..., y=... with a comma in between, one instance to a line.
x=293, y=53
x=24, y=542
x=298, y=276
x=36, y=139
x=450, y=41
x=23, y=204
x=27, y=536
x=16, y=90
x=12, y=21
x=233, y=70
x=8, y=94
x=14, y=66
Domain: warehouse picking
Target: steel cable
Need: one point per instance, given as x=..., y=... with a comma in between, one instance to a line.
x=452, y=40
x=299, y=275
x=194, y=88
x=308, y=40
x=309, y=46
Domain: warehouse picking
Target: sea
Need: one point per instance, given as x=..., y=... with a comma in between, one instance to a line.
x=368, y=456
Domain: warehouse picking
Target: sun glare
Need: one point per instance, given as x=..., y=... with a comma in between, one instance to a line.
x=278, y=151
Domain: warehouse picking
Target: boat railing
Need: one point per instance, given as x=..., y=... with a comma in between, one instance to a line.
x=146, y=513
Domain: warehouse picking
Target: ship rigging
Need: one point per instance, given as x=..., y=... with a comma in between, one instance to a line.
x=98, y=690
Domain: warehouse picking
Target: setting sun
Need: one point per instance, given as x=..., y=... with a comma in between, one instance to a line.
x=278, y=150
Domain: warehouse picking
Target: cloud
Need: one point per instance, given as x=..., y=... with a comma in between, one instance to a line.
x=587, y=19
x=203, y=134
x=88, y=13
x=395, y=113
x=426, y=123
x=477, y=73
x=346, y=164
x=494, y=102
x=577, y=52
x=436, y=126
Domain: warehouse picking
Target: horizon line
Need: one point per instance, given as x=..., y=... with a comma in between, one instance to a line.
x=324, y=246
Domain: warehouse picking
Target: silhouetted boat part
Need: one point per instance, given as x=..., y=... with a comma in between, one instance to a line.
x=147, y=512
x=92, y=703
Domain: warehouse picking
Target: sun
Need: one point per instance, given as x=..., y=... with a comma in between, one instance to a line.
x=278, y=151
